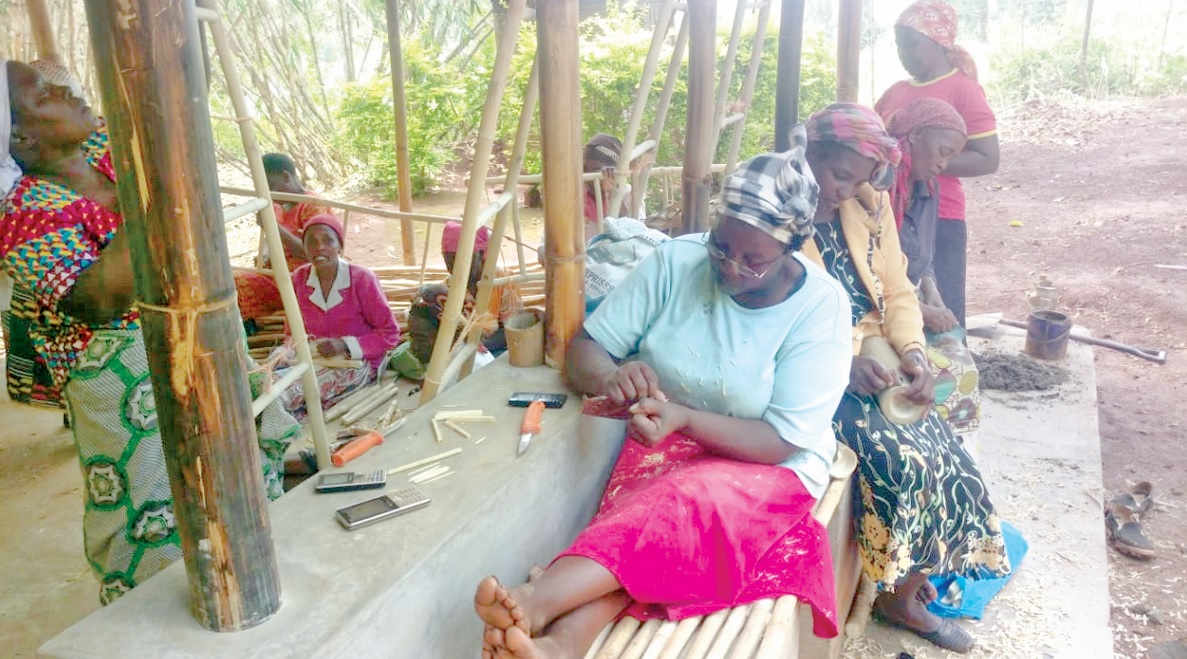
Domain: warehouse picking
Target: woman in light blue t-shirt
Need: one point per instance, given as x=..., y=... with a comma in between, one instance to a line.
x=729, y=353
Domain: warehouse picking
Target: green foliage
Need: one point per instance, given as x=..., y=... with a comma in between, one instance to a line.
x=1111, y=68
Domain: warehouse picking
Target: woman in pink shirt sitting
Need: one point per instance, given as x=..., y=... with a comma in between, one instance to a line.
x=346, y=316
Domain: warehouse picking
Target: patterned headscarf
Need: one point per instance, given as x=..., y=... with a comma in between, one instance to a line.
x=56, y=74
x=602, y=150
x=860, y=129
x=936, y=20
x=774, y=192
x=916, y=115
x=10, y=172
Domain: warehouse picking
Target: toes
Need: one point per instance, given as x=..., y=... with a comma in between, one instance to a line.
x=519, y=644
x=535, y=573
x=494, y=638
x=487, y=592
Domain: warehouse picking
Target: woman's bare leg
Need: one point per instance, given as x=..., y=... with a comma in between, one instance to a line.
x=570, y=636
x=570, y=582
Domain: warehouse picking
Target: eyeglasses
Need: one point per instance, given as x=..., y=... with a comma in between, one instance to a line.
x=721, y=259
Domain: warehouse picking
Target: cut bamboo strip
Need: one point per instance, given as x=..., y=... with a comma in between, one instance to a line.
x=684, y=631
x=437, y=478
x=457, y=415
x=702, y=640
x=346, y=403
x=599, y=642
x=782, y=632
x=428, y=475
x=480, y=440
x=420, y=463
x=256, y=340
x=639, y=642
x=363, y=410
x=747, y=642
x=729, y=632
x=456, y=428
x=619, y=638
x=423, y=469
x=337, y=362
x=436, y=430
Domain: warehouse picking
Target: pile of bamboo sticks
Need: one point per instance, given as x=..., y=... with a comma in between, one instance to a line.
x=402, y=283
x=269, y=334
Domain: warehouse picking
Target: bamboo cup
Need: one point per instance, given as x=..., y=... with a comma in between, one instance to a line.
x=894, y=404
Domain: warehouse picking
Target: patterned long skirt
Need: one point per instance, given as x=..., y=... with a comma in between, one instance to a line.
x=129, y=528
x=688, y=533
x=27, y=377
x=958, y=391
x=922, y=505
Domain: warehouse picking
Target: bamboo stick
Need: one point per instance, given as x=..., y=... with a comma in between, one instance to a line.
x=452, y=425
x=350, y=403
x=729, y=632
x=660, y=640
x=436, y=430
x=756, y=50
x=783, y=632
x=747, y=642
x=665, y=102
x=475, y=196
x=153, y=86
x=863, y=606
x=42, y=27
x=257, y=340
x=560, y=136
x=698, y=150
x=680, y=638
x=420, y=463
x=726, y=76
x=361, y=411
x=618, y=639
x=641, y=639
x=702, y=640
x=427, y=218
x=437, y=478
x=422, y=470
x=404, y=178
x=599, y=642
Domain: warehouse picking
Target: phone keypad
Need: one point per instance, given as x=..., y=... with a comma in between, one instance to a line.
x=407, y=496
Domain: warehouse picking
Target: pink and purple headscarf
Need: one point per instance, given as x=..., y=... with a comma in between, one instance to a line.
x=861, y=129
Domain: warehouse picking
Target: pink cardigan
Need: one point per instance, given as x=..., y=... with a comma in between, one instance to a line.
x=354, y=310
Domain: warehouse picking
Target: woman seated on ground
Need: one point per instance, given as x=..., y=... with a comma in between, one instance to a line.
x=751, y=344
x=346, y=317
x=929, y=133
x=62, y=238
x=925, y=509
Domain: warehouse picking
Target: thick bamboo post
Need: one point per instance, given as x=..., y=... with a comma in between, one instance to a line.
x=403, y=174
x=698, y=150
x=43, y=30
x=560, y=138
x=475, y=198
x=153, y=82
x=848, y=50
x=787, y=76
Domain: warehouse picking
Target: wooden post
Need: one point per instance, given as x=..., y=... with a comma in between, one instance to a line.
x=43, y=30
x=560, y=139
x=152, y=79
x=698, y=150
x=400, y=103
x=848, y=50
x=459, y=278
x=787, y=75
x=1083, y=62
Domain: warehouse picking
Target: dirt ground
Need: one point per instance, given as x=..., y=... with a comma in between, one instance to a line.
x=1098, y=191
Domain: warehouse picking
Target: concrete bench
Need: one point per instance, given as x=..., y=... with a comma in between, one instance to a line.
x=766, y=629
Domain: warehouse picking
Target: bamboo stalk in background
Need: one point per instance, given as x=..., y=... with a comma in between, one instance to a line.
x=475, y=197
x=698, y=150
x=404, y=177
x=756, y=50
x=787, y=74
x=43, y=30
x=663, y=105
x=848, y=50
x=560, y=139
x=153, y=82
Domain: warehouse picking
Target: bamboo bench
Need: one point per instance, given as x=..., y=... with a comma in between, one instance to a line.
x=766, y=629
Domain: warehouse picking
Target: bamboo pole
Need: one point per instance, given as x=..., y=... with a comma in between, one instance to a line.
x=756, y=50
x=729, y=632
x=42, y=27
x=702, y=640
x=665, y=103
x=622, y=168
x=475, y=199
x=698, y=150
x=641, y=640
x=787, y=76
x=848, y=50
x=404, y=178
x=560, y=137
x=726, y=77
x=783, y=630
x=680, y=638
x=153, y=83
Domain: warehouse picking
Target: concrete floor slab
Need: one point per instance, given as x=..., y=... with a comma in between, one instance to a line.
x=403, y=587
x=1040, y=454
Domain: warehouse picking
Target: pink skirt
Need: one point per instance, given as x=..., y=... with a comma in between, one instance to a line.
x=688, y=533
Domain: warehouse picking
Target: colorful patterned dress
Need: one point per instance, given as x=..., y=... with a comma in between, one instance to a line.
x=922, y=505
x=49, y=236
x=26, y=376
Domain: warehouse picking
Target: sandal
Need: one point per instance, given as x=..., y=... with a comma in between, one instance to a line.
x=1126, y=533
x=950, y=636
x=1139, y=500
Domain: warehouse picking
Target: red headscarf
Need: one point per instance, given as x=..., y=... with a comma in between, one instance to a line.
x=327, y=220
x=936, y=20
x=453, y=234
x=912, y=117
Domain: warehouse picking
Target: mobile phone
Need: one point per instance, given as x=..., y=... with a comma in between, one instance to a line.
x=346, y=482
x=392, y=504
x=525, y=398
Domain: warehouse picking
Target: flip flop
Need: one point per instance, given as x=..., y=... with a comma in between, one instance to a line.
x=1138, y=500
x=948, y=635
x=1126, y=533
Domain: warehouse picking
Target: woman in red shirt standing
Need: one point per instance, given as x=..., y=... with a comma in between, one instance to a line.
x=940, y=69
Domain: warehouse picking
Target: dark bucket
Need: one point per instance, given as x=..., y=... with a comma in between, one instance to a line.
x=1047, y=334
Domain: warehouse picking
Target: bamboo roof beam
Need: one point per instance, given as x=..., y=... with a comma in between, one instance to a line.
x=163, y=150
x=400, y=105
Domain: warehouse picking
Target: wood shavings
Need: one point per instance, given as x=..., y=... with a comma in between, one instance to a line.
x=437, y=478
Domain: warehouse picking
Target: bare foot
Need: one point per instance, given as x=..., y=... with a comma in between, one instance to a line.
x=927, y=593
x=520, y=646
x=498, y=607
x=536, y=572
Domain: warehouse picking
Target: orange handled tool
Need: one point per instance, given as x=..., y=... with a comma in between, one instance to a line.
x=356, y=448
x=530, y=425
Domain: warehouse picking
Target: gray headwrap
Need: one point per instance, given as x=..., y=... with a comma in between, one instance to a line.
x=10, y=172
x=774, y=192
